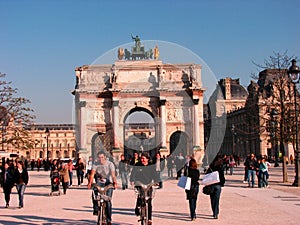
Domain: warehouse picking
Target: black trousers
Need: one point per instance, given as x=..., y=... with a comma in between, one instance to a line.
x=7, y=192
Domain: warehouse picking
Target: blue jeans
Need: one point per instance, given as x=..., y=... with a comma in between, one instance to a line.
x=251, y=175
x=79, y=176
x=215, y=198
x=71, y=177
x=159, y=178
x=21, y=189
x=231, y=170
x=263, y=179
x=193, y=201
x=124, y=178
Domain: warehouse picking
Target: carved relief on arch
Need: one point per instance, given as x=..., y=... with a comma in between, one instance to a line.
x=174, y=115
x=99, y=117
x=125, y=107
x=173, y=104
x=94, y=105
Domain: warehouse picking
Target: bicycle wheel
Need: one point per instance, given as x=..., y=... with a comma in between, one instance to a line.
x=146, y=214
x=143, y=217
x=100, y=216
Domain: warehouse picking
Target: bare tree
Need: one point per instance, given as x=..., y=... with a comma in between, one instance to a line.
x=276, y=94
x=15, y=117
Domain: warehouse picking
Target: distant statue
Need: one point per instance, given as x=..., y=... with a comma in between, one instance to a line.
x=149, y=54
x=127, y=54
x=137, y=42
x=156, y=52
x=120, y=53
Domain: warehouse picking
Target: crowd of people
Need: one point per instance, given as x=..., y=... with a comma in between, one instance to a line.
x=141, y=168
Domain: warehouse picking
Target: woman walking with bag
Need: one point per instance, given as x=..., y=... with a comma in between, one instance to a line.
x=217, y=165
x=192, y=194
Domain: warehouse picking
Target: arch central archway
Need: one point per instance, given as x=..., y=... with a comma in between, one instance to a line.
x=139, y=132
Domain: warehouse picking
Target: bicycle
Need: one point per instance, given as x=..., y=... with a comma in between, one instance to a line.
x=144, y=194
x=102, y=200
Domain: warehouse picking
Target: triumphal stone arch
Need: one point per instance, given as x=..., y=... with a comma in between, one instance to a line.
x=108, y=97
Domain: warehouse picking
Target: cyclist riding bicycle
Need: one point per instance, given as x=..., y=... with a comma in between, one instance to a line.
x=104, y=174
x=144, y=173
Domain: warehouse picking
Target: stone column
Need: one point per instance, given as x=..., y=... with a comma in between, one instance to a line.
x=82, y=126
x=196, y=137
x=163, y=124
x=116, y=121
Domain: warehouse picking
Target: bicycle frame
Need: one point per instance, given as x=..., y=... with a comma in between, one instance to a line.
x=142, y=193
x=102, y=199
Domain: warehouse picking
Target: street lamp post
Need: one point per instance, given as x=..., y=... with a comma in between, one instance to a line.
x=294, y=74
x=47, y=132
x=273, y=115
x=233, y=134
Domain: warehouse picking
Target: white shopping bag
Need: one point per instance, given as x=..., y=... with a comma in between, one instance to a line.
x=210, y=178
x=185, y=182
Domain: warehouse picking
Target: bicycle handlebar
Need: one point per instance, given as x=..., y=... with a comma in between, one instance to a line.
x=145, y=187
x=102, y=189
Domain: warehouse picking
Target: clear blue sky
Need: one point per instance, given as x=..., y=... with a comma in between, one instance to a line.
x=41, y=42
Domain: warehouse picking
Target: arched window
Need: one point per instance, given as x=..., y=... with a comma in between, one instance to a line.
x=66, y=154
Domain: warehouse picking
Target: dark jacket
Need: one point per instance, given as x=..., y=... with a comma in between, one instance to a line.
x=144, y=174
x=251, y=164
x=194, y=174
x=9, y=180
x=21, y=177
x=123, y=166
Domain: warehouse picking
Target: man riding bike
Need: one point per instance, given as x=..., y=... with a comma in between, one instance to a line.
x=104, y=174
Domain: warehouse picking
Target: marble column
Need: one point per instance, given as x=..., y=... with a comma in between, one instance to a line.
x=115, y=113
x=196, y=137
x=82, y=126
x=163, y=124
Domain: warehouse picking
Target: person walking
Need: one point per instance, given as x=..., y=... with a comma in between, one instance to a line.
x=32, y=164
x=38, y=164
x=232, y=163
x=217, y=165
x=144, y=173
x=251, y=165
x=123, y=170
x=65, y=178
x=71, y=168
x=263, y=173
x=79, y=171
x=179, y=163
x=159, y=167
x=21, y=180
x=170, y=165
x=105, y=174
x=192, y=194
x=89, y=166
x=8, y=181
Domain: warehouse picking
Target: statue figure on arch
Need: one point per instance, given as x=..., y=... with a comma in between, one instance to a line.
x=137, y=42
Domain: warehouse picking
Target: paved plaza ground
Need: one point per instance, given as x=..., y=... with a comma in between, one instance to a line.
x=279, y=204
